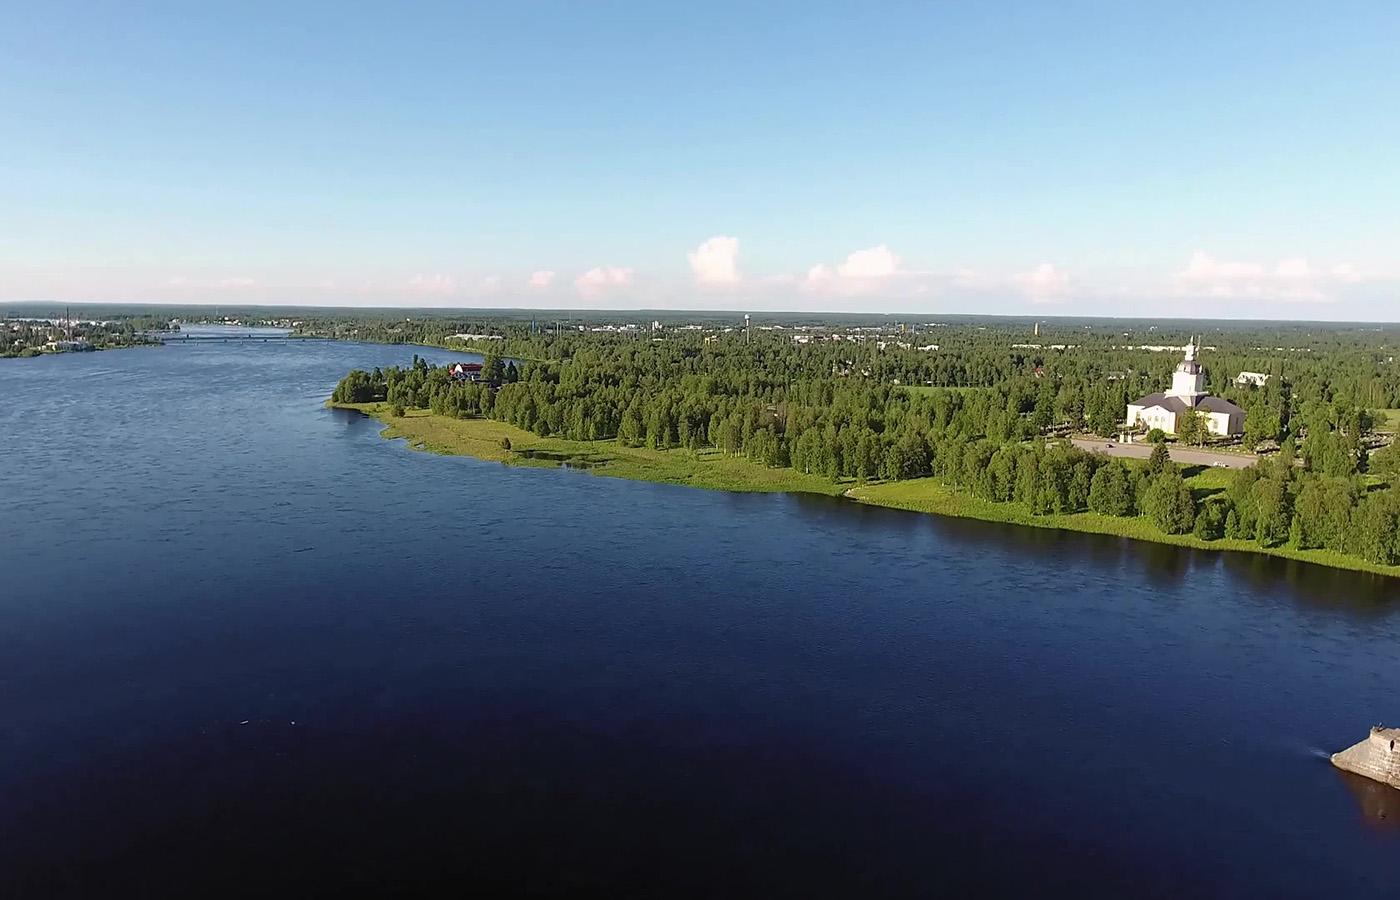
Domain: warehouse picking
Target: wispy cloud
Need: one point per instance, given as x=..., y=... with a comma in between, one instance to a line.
x=1293, y=279
x=436, y=285
x=716, y=261
x=1043, y=284
x=217, y=284
x=541, y=279
x=602, y=278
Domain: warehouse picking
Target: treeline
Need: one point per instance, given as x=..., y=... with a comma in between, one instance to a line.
x=1087, y=372
x=1276, y=503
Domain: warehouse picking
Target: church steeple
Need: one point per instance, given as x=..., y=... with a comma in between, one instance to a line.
x=1189, y=381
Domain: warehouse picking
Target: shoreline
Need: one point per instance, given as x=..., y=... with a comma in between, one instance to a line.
x=43, y=353
x=482, y=439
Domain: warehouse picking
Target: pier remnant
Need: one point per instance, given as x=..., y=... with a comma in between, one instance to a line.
x=1377, y=757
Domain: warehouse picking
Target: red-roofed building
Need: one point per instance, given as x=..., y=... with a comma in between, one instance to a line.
x=465, y=371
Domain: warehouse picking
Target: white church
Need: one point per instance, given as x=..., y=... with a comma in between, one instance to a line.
x=1188, y=392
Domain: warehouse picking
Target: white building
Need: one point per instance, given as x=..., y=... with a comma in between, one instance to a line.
x=1188, y=392
x=1257, y=379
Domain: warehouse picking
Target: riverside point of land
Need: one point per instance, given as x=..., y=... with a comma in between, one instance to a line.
x=496, y=441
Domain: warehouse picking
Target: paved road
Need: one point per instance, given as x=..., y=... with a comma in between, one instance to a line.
x=1183, y=455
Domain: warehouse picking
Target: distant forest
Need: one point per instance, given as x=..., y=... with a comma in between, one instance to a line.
x=983, y=406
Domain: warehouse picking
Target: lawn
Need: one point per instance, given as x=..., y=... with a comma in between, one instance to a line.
x=1207, y=480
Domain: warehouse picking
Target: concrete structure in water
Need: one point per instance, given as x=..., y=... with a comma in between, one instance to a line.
x=1377, y=757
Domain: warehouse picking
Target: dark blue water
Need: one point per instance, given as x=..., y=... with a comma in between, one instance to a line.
x=247, y=645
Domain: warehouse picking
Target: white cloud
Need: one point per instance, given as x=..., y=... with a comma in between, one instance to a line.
x=1043, y=284
x=598, y=280
x=862, y=271
x=542, y=279
x=716, y=261
x=490, y=284
x=877, y=262
x=440, y=285
x=1289, y=279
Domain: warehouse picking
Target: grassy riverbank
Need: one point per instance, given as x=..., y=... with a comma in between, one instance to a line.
x=928, y=495
x=483, y=439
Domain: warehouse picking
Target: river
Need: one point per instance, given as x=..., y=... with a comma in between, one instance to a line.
x=246, y=644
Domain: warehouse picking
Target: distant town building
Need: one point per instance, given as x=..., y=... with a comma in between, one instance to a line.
x=1188, y=392
x=67, y=345
x=1255, y=379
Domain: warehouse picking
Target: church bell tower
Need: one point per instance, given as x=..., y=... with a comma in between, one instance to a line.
x=1189, y=381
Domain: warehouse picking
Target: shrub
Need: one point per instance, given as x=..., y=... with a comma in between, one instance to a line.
x=1169, y=503
x=1212, y=519
x=1159, y=462
x=1111, y=491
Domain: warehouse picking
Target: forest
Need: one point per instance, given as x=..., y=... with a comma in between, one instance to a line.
x=977, y=413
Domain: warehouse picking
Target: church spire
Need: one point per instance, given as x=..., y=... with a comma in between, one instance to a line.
x=1189, y=381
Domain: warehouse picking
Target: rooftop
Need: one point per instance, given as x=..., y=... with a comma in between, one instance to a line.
x=1179, y=404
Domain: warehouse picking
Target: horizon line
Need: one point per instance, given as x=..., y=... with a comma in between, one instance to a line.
x=564, y=312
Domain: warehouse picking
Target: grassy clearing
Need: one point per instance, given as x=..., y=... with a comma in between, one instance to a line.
x=1388, y=420
x=482, y=438
x=928, y=495
x=1206, y=481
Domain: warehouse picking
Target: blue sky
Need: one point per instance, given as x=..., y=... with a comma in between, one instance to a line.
x=1231, y=159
